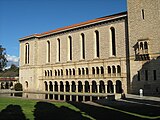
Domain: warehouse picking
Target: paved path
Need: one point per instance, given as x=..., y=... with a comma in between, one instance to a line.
x=143, y=98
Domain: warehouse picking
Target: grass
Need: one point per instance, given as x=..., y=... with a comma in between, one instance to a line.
x=32, y=108
x=22, y=109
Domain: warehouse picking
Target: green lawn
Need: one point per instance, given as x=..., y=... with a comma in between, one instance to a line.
x=35, y=109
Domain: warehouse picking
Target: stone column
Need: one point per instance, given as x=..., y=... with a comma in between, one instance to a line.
x=83, y=89
x=48, y=86
x=64, y=97
x=53, y=86
x=58, y=97
x=64, y=87
x=90, y=98
x=58, y=88
x=106, y=87
x=76, y=87
x=70, y=88
x=90, y=88
x=114, y=88
x=97, y=87
x=77, y=98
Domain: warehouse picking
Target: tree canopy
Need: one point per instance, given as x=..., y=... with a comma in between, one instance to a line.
x=3, y=60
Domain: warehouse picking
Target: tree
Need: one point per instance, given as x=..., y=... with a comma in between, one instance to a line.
x=3, y=60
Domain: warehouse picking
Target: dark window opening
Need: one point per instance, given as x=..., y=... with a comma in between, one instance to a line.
x=97, y=43
x=113, y=41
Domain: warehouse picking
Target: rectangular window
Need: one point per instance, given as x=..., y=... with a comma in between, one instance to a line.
x=58, y=50
x=138, y=75
x=142, y=13
x=154, y=75
x=146, y=75
x=69, y=48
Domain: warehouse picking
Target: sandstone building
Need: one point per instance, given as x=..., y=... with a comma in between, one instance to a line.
x=112, y=54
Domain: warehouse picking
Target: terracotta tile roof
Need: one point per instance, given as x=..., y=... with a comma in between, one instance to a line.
x=77, y=25
x=8, y=79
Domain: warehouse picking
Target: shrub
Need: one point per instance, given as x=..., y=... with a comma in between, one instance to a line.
x=18, y=87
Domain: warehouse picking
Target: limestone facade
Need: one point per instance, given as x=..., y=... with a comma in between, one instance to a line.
x=97, y=56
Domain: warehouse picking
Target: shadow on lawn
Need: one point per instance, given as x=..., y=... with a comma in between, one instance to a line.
x=100, y=113
x=12, y=112
x=48, y=111
x=138, y=108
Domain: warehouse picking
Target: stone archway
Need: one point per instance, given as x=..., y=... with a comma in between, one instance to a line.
x=87, y=87
x=56, y=86
x=80, y=86
x=73, y=86
x=118, y=86
x=101, y=87
x=110, y=87
x=26, y=84
x=61, y=86
x=94, y=86
x=50, y=86
x=45, y=86
x=67, y=87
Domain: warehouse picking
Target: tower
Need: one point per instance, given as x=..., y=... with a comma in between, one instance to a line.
x=144, y=45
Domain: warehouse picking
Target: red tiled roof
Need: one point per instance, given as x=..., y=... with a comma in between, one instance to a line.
x=8, y=79
x=77, y=25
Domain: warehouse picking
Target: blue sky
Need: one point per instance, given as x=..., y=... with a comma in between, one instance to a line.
x=20, y=18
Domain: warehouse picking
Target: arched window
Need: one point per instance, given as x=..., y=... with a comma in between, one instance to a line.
x=26, y=82
x=74, y=71
x=93, y=70
x=61, y=72
x=102, y=70
x=48, y=51
x=70, y=72
x=87, y=71
x=45, y=73
x=51, y=72
x=27, y=53
x=48, y=72
x=97, y=43
x=58, y=50
x=113, y=41
x=83, y=71
x=109, y=70
x=82, y=46
x=141, y=45
x=79, y=71
x=58, y=72
x=113, y=69
x=66, y=72
x=97, y=70
x=55, y=73
x=145, y=45
x=69, y=48
x=118, y=69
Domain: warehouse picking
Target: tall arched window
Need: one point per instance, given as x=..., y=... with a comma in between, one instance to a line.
x=69, y=48
x=97, y=43
x=27, y=53
x=48, y=51
x=58, y=50
x=82, y=46
x=113, y=41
